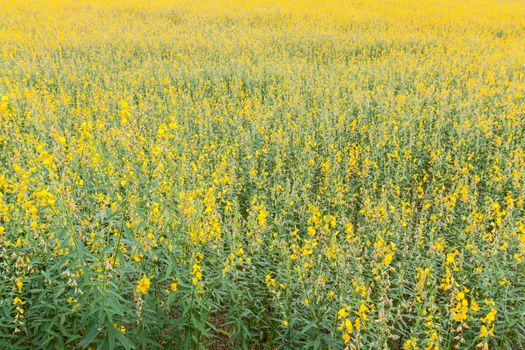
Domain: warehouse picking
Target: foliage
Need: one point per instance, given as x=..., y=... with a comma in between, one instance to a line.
x=262, y=174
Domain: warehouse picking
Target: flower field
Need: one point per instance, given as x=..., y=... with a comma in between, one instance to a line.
x=262, y=174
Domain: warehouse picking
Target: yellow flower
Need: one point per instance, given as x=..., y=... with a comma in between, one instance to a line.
x=342, y=313
x=18, y=301
x=484, y=331
x=261, y=218
x=143, y=285
x=410, y=344
x=19, y=285
x=121, y=329
x=174, y=287
x=196, y=274
x=346, y=337
x=388, y=259
x=348, y=325
x=490, y=316
x=474, y=306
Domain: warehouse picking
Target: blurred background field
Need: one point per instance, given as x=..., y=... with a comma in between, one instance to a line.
x=262, y=174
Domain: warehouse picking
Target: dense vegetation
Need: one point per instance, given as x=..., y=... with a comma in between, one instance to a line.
x=262, y=174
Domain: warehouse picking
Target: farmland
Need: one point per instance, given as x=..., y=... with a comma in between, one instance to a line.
x=262, y=174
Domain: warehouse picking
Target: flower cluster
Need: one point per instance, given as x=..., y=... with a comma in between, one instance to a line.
x=262, y=174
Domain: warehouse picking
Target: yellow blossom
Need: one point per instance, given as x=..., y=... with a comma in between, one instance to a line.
x=143, y=285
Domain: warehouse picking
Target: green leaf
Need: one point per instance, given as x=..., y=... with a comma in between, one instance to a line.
x=91, y=334
x=124, y=341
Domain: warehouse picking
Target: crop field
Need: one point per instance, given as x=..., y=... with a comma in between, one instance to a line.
x=262, y=174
